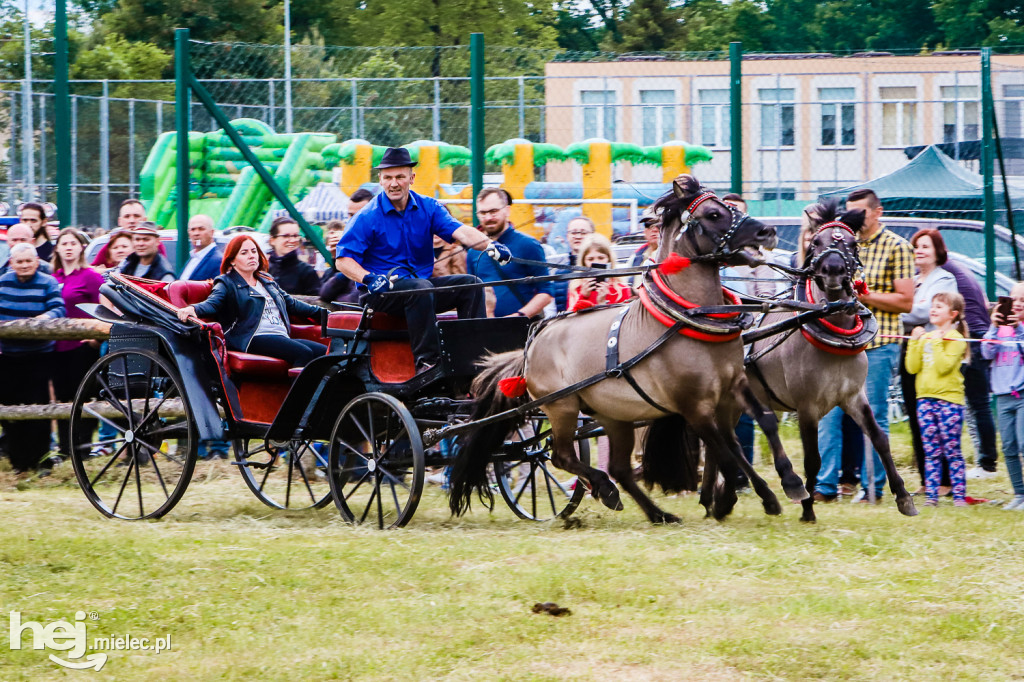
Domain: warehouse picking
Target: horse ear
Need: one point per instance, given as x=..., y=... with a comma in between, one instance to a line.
x=686, y=186
x=854, y=219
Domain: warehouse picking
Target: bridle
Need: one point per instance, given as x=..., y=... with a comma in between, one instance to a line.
x=693, y=227
x=838, y=246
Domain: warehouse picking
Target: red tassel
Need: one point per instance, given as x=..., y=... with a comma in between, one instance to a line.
x=860, y=286
x=674, y=263
x=512, y=387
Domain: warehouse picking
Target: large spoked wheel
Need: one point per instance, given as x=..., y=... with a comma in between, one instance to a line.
x=376, y=462
x=142, y=461
x=292, y=476
x=526, y=479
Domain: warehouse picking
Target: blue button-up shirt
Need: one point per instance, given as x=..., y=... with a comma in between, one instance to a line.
x=380, y=238
x=510, y=298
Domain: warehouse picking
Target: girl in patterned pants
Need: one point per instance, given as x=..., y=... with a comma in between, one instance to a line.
x=935, y=358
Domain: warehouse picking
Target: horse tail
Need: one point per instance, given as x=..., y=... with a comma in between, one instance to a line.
x=474, y=450
x=671, y=455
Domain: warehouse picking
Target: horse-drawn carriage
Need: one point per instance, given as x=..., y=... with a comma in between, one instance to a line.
x=347, y=427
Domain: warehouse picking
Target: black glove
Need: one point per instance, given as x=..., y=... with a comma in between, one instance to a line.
x=375, y=283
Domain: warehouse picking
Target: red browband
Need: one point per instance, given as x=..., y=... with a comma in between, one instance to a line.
x=701, y=198
x=835, y=223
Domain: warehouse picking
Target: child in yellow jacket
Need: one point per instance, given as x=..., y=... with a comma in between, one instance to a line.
x=935, y=358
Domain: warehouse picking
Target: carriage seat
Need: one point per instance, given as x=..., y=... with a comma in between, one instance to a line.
x=182, y=293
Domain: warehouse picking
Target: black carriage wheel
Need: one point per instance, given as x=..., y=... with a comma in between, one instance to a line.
x=376, y=462
x=526, y=479
x=293, y=476
x=143, y=469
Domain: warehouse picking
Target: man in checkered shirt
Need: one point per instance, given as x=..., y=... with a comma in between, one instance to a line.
x=889, y=274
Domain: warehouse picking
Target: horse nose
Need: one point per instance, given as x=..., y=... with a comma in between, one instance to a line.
x=833, y=266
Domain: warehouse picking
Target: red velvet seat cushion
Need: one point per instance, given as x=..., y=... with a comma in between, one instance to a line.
x=252, y=365
x=183, y=292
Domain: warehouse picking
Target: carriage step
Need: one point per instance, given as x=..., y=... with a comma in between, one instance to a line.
x=252, y=465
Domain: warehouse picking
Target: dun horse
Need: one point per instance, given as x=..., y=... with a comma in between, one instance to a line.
x=822, y=366
x=696, y=373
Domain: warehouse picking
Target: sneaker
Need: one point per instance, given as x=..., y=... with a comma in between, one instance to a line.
x=436, y=478
x=100, y=451
x=931, y=503
x=979, y=472
x=1017, y=503
x=862, y=497
x=823, y=498
x=959, y=503
x=847, y=489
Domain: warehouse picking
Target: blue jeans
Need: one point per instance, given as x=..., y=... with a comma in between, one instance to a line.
x=1010, y=412
x=881, y=362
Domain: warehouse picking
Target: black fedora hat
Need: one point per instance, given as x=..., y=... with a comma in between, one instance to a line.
x=395, y=157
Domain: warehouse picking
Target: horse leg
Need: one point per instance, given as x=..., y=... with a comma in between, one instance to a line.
x=722, y=443
x=769, y=423
x=859, y=409
x=620, y=466
x=563, y=431
x=812, y=463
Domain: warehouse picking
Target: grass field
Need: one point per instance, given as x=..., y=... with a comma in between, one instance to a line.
x=248, y=593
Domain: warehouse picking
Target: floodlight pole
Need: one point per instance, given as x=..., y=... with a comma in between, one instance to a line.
x=987, y=111
x=736, y=115
x=476, y=128
x=62, y=114
x=182, y=124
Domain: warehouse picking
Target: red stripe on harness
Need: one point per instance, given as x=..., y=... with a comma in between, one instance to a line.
x=685, y=331
x=857, y=328
x=830, y=349
x=676, y=298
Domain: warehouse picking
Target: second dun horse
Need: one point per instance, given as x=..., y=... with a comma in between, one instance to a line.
x=822, y=365
x=696, y=373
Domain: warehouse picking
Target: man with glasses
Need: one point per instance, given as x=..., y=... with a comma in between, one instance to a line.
x=292, y=274
x=389, y=245
x=492, y=209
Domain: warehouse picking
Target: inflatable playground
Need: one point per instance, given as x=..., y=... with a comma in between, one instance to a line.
x=319, y=173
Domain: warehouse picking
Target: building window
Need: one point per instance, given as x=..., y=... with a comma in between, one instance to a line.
x=598, y=113
x=960, y=113
x=1013, y=107
x=777, y=115
x=658, y=115
x=838, y=117
x=899, y=116
x=714, y=118
x=778, y=194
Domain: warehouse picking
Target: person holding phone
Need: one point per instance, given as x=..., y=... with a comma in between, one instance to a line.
x=929, y=255
x=596, y=252
x=1007, y=377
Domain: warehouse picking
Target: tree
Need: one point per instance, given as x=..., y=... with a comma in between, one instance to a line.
x=972, y=23
x=650, y=25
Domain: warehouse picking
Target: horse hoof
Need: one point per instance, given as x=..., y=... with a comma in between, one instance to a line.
x=797, y=494
x=665, y=517
x=808, y=519
x=906, y=506
x=772, y=507
x=609, y=496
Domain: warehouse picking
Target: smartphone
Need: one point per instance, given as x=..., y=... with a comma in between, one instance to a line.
x=604, y=266
x=1005, y=307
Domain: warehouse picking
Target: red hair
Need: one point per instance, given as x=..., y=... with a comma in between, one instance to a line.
x=102, y=258
x=941, y=255
x=232, y=249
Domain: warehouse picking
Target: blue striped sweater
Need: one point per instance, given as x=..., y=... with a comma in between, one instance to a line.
x=19, y=300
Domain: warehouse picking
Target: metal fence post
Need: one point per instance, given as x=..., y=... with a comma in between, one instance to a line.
x=73, y=181
x=42, y=147
x=522, y=108
x=355, y=102
x=105, y=156
x=270, y=107
x=61, y=116
x=987, y=111
x=131, y=148
x=159, y=118
x=27, y=141
x=736, y=115
x=181, y=120
x=476, y=126
x=436, y=130
x=14, y=151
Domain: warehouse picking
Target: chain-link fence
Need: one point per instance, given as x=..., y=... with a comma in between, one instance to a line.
x=811, y=123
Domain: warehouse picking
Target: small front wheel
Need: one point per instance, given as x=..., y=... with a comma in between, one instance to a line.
x=376, y=462
x=292, y=476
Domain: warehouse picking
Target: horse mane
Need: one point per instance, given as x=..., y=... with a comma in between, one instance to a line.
x=828, y=210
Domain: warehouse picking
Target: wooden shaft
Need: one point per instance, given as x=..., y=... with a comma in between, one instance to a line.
x=171, y=409
x=60, y=329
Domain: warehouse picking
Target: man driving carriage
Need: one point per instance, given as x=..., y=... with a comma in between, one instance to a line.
x=389, y=247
